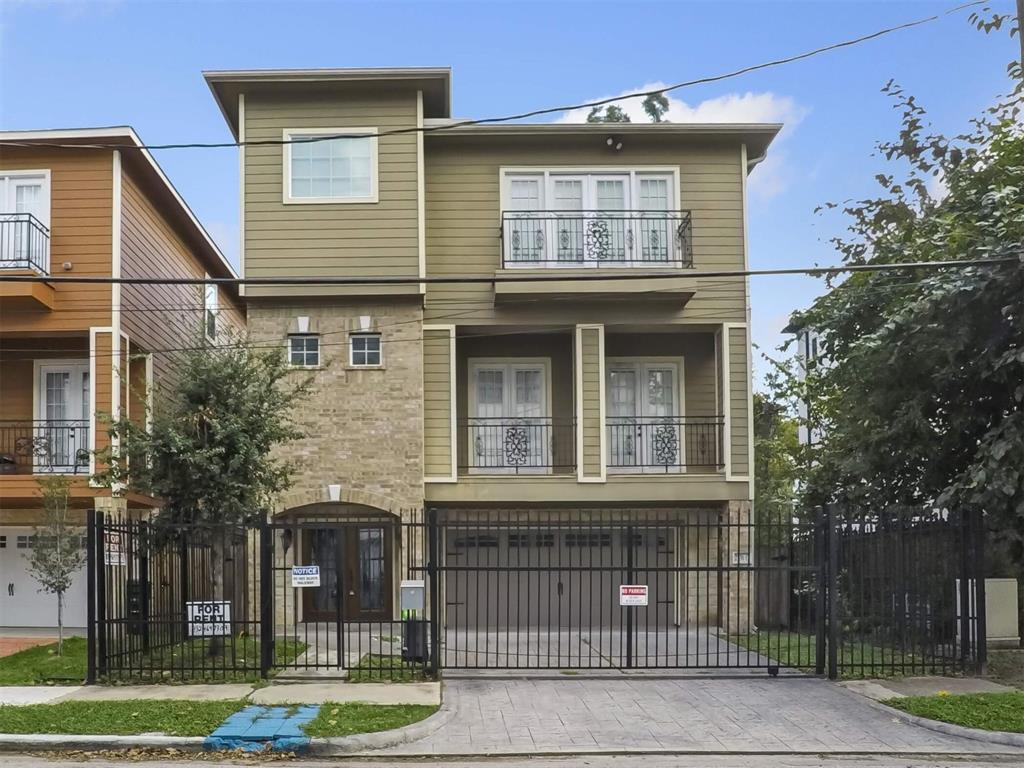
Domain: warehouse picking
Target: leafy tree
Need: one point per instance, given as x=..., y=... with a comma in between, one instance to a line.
x=610, y=114
x=922, y=398
x=57, y=552
x=209, y=453
x=776, y=461
x=656, y=105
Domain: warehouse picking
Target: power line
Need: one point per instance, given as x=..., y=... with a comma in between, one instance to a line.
x=522, y=115
x=492, y=279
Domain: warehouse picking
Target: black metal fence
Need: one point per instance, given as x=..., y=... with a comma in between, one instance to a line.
x=597, y=238
x=24, y=243
x=376, y=596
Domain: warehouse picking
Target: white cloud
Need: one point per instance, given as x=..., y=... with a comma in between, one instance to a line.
x=773, y=175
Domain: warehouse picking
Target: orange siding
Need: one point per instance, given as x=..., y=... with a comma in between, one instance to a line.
x=81, y=184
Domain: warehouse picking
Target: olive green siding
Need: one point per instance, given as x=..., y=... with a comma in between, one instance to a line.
x=592, y=393
x=330, y=239
x=739, y=394
x=438, y=380
x=463, y=220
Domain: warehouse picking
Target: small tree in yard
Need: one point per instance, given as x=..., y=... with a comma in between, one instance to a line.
x=57, y=552
x=208, y=453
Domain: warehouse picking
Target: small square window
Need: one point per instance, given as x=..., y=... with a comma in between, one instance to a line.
x=304, y=351
x=364, y=350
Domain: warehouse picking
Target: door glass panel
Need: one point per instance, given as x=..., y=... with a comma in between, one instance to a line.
x=568, y=196
x=660, y=392
x=486, y=432
x=606, y=230
x=661, y=447
x=52, y=446
x=527, y=239
x=654, y=229
x=622, y=402
x=324, y=552
x=371, y=569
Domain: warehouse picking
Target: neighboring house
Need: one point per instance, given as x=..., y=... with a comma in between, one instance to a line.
x=808, y=354
x=496, y=398
x=72, y=354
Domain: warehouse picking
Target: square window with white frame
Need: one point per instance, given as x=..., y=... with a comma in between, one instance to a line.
x=318, y=169
x=304, y=351
x=365, y=350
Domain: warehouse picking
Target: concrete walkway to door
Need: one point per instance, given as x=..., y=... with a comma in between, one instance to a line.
x=494, y=717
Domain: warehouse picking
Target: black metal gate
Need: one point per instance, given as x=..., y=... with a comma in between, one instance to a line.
x=837, y=592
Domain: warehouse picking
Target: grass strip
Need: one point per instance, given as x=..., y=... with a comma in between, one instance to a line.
x=41, y=664
x=119, y=718
x=796, y=650
x=353, y=717
x=375, y=668
x=987, y=711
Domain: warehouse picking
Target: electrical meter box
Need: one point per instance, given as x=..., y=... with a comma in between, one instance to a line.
x=412, y=595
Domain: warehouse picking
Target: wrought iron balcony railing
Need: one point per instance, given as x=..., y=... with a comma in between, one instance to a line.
x=28, y=447
x=24, y=243
x=665, y=444
x=519, y=445
x=651, y=239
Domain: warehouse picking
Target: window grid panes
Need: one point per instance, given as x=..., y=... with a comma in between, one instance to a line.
x=365, y=349
x=334, y=168
x=304, y=351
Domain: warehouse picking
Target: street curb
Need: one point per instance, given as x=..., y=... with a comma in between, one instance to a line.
x=346, y=745
x=22, y=742
x=949, y=729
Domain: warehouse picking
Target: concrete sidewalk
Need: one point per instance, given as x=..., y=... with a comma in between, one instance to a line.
x=505, y=717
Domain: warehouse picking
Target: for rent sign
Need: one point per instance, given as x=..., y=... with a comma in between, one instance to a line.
x=208, y=618
x=632, y=594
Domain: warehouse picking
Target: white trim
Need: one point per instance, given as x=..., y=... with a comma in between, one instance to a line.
x=577, y=375
x=29, y=173
x=453, y=404
x=149, y=390
x=421, y=195
x=750, y=341
x=319, y=351
x=726, y=397
x=364, y=367
x=286, y=158
x=547, y=170
x=115, y=291
x=63, y=362
x=241, y=190
x=93, y=330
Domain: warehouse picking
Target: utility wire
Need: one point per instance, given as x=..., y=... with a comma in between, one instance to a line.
x=489, y=279
x=521, y=115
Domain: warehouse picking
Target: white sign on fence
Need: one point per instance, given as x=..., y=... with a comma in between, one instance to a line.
x=305, y=575
x=632, y=594
x=209, y=618
x=113, y=548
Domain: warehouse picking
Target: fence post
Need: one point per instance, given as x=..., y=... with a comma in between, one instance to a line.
x=433, y=563
x=820, y=603
x=266, y=598
x=977, y=560
x=833, y=592
x=629, y=608
x=965, y=601
x=100, y=586
x=90, y=589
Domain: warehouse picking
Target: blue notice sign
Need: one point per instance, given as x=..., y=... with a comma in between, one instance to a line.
x=305, y=575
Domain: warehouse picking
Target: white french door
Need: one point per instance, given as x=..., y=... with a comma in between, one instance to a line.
x=644, y=424
x=509, y=425
x=21, y=196
x=61, y=434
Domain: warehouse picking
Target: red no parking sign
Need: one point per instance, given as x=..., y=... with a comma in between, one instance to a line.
x=632, y=594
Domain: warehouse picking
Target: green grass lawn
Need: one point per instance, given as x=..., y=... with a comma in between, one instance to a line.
x=188, y=660
x=988, y=711
x=41, y=665
x=175, y=718
x=346, y=719
x=373, y=668
x=797, y=651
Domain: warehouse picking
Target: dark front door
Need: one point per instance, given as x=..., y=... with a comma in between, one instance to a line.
x=355, y=572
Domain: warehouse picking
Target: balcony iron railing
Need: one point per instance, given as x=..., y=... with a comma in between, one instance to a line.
x=28, y=447
x=24, y=243
x=665, y=444
x=652, y=239
x=519, y=445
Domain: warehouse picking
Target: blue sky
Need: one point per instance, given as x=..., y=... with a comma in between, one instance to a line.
x=79, y=63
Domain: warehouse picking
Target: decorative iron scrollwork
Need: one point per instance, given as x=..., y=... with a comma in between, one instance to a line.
x=517, y=446
x=665, y=444
x=598, y=239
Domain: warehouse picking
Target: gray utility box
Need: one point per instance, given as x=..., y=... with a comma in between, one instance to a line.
x=414, y=627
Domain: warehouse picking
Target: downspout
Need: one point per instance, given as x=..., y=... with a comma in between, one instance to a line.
x=753, y=161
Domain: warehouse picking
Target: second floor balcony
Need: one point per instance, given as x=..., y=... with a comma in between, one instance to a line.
x=24, y=243
x=49, y=446
x=651, y=239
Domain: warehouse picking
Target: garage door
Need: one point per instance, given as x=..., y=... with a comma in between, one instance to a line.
x=22, y=601
x=565, y=577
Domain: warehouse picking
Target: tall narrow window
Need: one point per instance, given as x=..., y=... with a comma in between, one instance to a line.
x=210, y=302
x=331, y=170
x=364, y=350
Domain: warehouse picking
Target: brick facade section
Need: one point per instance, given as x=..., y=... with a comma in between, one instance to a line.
x=364, y=427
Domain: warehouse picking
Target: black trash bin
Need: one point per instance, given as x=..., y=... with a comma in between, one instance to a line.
x=414, y=640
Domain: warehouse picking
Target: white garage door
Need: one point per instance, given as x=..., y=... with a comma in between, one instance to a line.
x=22, y=601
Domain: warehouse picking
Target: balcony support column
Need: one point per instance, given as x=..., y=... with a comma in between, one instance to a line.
x=589, y=377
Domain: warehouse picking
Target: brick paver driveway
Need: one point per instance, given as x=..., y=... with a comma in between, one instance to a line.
x=691, y=714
